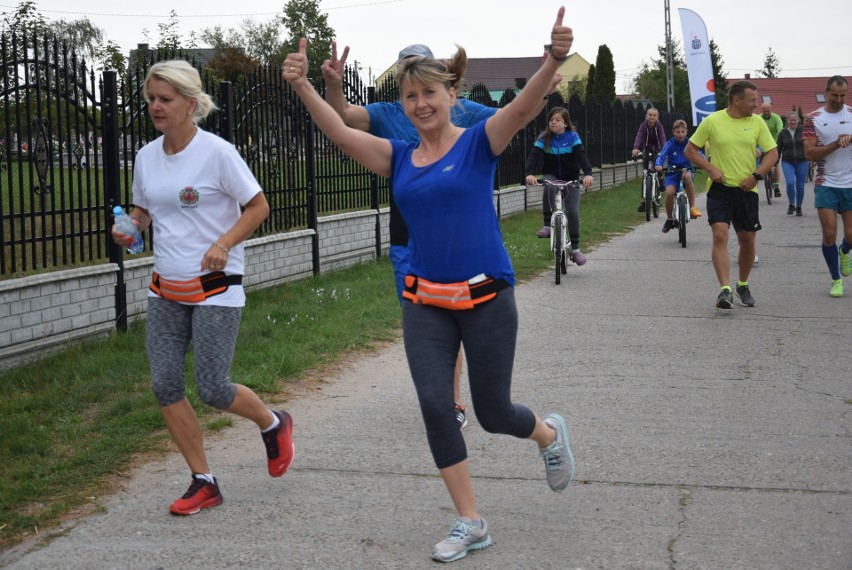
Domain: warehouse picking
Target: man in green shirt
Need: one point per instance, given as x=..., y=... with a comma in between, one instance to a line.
x=775, y=125
x=734, y=133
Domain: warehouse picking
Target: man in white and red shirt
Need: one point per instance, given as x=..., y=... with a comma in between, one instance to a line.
x=827, y=136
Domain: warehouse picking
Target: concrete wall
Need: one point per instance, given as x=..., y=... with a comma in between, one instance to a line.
x=42, y=313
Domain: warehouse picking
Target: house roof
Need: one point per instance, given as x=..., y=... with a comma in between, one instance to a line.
x=788, y=93
x=502, y=73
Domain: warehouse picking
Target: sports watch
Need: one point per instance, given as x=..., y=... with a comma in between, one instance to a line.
x=757, y=176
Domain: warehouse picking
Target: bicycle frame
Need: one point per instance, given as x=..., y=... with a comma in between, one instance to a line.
x=560, y=245
x=681, y=211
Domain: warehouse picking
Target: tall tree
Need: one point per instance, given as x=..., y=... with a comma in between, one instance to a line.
x=771, y=66
x=24, y=19
x=650, y=82
x=303, y=19
x=261, y=41
x=720, y=80
x=604, y=86
x=81, y=35
x=590, y=83
x=169, y=33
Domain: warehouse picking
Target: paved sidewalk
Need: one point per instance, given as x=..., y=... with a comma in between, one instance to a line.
x=704, y=438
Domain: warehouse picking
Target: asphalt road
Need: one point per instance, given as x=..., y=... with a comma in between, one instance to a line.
x=704, y=438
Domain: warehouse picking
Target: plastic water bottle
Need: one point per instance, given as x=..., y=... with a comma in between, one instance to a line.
x=124, y=224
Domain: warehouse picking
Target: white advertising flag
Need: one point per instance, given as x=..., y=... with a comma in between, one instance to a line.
x=699, y=66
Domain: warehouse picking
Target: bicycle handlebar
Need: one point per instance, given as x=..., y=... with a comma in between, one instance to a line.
x=560, y=183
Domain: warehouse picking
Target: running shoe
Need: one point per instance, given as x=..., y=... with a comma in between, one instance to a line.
x=558, y=460
x=279, y=445
x=725, y=300
x=641, y=207
x=845, y=264
x=578, y=257
x=464, y=536
x=798, y=211
x=836, y=288
x=791, y=209
x=668, y=225
x=202, y=494
x=694, y=212
x=458, y=410
x=745, y=296
x=544, y=232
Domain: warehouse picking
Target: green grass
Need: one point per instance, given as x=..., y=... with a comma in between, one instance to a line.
x=76, y=421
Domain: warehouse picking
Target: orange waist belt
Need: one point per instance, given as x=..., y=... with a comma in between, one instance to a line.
x=194, y=290
x=455, y=296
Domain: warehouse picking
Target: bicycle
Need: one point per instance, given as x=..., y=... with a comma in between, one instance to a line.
x=769, y=184
x=560, y=245
x=650, y=188
x=681, y=211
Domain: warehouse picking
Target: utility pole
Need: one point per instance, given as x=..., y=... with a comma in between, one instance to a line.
x=669, y=59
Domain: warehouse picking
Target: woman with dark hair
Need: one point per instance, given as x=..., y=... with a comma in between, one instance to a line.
x=461, y=282
x=558, y=154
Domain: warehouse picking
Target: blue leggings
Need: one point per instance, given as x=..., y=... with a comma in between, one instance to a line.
x=432, y=338
x=795, y=174
x=213, y=332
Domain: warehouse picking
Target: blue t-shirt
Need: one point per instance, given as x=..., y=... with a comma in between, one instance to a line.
x=388, y=121
x=448, y=205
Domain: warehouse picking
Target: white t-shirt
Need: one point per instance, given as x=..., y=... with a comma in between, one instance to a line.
x=835, y=170
x=193, y=198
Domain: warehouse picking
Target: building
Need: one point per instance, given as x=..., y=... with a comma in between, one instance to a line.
x=790, y=93
x=499, y=74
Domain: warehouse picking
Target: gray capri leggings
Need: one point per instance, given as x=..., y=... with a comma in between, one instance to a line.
x=213, y=332
x=432, y=336
x=571, y=206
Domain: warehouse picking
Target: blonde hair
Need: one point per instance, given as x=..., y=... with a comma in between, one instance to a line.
x=185, y=80
x=426, y=70
x=679, y=123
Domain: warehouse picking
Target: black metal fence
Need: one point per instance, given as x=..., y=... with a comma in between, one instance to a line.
x=69, y=137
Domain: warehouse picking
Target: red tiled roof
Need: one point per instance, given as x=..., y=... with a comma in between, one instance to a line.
x=790, y=93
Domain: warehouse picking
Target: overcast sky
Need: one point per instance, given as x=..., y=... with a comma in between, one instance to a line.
x=632, y=29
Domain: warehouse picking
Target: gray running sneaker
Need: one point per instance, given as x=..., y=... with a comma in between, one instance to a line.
x=745, y=296
x=464, y=536
x=558, y=460
x=725, y=300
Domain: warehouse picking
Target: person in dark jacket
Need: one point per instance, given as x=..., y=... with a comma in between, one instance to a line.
x=558, y=154
x=650, y=139
x=791, y=147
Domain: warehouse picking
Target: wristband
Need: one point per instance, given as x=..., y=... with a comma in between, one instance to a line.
x=222, y=247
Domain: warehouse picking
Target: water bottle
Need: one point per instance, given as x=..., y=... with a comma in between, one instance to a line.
x=124, y=224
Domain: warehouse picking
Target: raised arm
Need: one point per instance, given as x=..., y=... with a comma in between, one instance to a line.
x=507, y=121
x=354, y=116
x=372, y=152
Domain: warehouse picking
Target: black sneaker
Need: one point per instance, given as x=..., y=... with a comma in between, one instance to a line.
x=777, y=193
x=641, y=207
x=790, y=209
x=798, y=211
x=458, y=410
x=745, y=296
x=725, y=300
x=667, y=225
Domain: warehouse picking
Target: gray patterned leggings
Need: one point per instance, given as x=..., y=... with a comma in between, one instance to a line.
x=213, y=332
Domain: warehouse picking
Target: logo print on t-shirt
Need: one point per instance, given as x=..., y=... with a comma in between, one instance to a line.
x=188, y=196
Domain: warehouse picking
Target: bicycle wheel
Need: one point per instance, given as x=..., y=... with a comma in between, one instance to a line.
x=558, y=247
x=656, y=201
x=683, y=215
x=767, y=181
x=649, y=197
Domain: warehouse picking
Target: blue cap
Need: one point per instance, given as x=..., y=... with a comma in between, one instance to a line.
x=415, y=49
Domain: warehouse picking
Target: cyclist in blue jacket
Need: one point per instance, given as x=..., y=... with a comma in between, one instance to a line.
x=673, y=153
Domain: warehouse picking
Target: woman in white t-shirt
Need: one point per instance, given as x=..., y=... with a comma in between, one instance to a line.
x=190, y=185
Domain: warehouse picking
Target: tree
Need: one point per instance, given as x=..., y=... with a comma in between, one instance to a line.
x=262, y=42
x=109, y=56
x=231, y=63
x=302, y=19
x=24, y=19
x=81, y=35
x=720, y=80
x=650, y=83
x=603, y=88
x=771, y=66
x=590, y=83
x=169, y=34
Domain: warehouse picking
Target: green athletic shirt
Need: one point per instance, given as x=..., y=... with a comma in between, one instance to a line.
x=774, y=123
x=733, y=143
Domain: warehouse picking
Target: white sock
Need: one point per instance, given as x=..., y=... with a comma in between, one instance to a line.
x=275, y=423
x=206, y=476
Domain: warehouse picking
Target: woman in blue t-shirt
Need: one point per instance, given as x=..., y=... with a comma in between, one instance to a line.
x=558, y=154
x=461, y=281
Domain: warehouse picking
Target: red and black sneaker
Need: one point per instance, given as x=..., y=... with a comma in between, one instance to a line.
x=280, y=450
x=201, y=494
